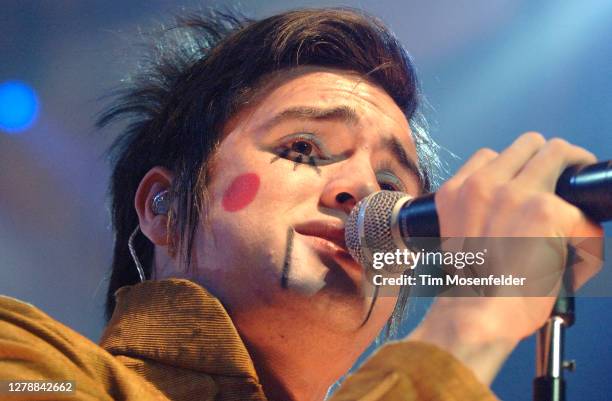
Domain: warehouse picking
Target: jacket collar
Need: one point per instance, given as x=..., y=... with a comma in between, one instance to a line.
x=178, y=323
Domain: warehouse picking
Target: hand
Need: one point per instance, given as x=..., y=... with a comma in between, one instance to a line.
x=510, y=194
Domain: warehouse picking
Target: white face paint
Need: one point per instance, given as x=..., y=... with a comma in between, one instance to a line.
x=291, y=167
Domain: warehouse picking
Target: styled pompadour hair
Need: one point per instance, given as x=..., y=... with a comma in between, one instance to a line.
x=199, y=73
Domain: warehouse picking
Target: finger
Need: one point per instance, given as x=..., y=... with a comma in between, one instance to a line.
x=513, y=158
x=475, y=163
x=543, y=170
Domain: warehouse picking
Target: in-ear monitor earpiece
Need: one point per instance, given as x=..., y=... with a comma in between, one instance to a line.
x=161, y=203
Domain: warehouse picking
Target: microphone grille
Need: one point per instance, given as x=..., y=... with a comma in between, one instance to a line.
x=369, y=228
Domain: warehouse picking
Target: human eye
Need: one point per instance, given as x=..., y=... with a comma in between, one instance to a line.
x=388, y=181
x=303, y=148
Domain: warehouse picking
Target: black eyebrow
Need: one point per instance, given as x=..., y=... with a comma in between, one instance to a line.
x=397, y=150
x=341, y=113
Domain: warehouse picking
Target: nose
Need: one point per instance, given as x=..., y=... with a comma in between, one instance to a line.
x=348, y=184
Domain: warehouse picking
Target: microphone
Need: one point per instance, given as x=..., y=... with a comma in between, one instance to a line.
x=385, y=220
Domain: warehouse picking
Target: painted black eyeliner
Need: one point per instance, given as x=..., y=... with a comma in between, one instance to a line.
x=297, y=161
x=283, y=153
x=312, y=162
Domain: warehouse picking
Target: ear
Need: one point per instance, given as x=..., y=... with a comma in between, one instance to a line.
x=153, y=226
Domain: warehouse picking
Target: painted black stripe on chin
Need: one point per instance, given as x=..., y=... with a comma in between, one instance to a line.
x=284, y=282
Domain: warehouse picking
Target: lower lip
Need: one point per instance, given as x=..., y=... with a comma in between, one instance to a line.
x=340, y=255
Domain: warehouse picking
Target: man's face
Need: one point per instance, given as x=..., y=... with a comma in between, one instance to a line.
x=284, y=180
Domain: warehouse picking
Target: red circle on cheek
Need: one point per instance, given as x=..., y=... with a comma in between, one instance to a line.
x=241, y=192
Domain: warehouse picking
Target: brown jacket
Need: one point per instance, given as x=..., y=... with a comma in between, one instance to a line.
x=172, y=340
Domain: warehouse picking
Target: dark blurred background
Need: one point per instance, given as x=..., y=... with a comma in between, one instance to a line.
x=490, y=70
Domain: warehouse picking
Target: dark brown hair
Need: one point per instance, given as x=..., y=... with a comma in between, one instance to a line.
x=200, y=73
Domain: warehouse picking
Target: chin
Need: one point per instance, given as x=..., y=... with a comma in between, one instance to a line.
x=340, y=312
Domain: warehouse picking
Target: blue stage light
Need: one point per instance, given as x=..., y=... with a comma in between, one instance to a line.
x=18, y=106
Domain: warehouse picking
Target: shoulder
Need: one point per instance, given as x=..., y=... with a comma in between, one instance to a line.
x=412, y=371
x=23, y=323
x=29, y=338
x=34, y=346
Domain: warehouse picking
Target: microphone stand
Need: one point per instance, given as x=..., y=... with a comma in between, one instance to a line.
x=549, y=383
